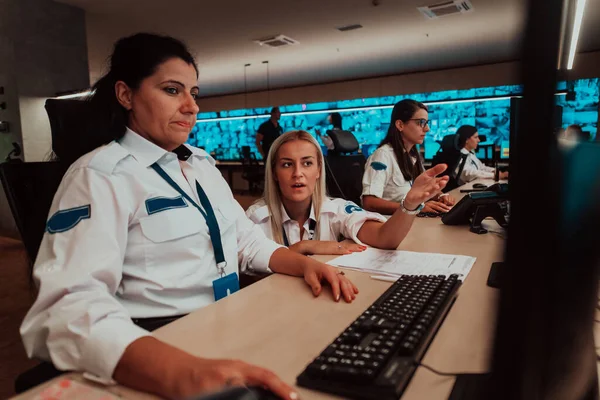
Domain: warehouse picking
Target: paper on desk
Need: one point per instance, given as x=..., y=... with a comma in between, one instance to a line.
x=399, y=262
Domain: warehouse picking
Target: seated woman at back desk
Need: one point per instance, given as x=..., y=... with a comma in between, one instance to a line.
x=468, y=139
x=394, y=168
x=296, y=212
x=144, y=227
x=335, y=119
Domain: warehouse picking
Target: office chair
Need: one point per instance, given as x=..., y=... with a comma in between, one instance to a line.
x=30, y=189
x=251, y=170
x=344, y=172
x=449, y=154
x=75, y=131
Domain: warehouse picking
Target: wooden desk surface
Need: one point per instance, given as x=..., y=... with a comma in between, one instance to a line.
x=278, y=324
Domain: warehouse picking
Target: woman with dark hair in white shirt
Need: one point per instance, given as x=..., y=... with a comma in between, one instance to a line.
x=468, y=139
x=144, y=227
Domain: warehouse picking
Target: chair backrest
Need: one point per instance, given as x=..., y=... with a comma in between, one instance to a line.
x=30, y=189
x=74, y=132
x=344, y=176
x=343, y=141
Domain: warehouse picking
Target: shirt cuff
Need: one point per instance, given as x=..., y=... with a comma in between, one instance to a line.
x=105, y=346
x=260, y=262
x=371, y=190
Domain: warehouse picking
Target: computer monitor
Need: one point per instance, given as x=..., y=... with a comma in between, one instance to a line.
x=544, y=343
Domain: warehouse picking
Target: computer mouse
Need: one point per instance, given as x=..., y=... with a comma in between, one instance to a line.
x=479, y=186
x=239, y=393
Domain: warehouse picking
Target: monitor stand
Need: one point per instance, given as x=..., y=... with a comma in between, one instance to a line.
x=483, y=211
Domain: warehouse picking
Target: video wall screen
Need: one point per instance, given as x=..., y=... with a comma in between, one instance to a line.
x=224, y=133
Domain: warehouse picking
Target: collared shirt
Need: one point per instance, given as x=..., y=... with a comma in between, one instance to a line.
x=121, y=243
x=338, y=219
x=473, y=169
x=383, y=177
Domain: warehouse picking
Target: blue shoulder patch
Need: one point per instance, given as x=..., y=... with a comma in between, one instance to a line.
x=158, y=204
x=378, y=166
x=65, y=220
x=350, y=208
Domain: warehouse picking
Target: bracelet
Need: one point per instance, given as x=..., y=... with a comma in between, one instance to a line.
x=410, y=212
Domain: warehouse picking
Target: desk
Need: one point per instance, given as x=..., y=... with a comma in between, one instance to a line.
x=232, y=166
x=278, y=324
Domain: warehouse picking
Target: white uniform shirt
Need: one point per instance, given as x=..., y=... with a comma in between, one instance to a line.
x=339, y=219
x=383, y=177
x=473, y=169
x=124, y=244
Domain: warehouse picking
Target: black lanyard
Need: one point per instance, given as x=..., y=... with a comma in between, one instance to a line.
x=208, y=214
x=311, y=228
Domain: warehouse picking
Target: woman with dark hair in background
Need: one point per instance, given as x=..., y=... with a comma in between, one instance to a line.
x=468, y=139
x=391, y=170
x=143, y=230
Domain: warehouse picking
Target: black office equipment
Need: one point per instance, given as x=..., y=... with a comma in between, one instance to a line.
x=544, y=343
x=344, y=171
x=475, y=207
x=239, y=393
x=495, y=276
x=376, y=356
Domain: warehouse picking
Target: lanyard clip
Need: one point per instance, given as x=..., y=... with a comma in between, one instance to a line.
x=221, y=268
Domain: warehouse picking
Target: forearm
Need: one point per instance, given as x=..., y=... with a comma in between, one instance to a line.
x=376, y=204
x=259, y=147
x=386, y=235
x=153, y=366
x=302, y=247
x=288, y=262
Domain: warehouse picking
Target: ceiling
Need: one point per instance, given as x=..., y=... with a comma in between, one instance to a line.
x=395, y=37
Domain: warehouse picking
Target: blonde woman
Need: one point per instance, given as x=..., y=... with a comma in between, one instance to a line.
x=296, y=212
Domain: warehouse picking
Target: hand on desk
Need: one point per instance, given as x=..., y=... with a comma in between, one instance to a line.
x=154, y=366
x=317, y=272
x=433, y=206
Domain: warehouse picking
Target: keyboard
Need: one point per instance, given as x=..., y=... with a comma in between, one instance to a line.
x=376, y=356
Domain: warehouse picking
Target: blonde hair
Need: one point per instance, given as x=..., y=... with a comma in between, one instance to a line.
x=272, y=193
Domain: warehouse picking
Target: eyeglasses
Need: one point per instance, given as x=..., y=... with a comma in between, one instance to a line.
x=422, y=121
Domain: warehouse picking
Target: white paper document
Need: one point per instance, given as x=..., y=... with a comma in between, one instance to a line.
x=399, y=262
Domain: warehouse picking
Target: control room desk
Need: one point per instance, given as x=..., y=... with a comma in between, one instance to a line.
x=278, y=324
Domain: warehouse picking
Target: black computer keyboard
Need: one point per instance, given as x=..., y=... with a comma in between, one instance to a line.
x=375, y=357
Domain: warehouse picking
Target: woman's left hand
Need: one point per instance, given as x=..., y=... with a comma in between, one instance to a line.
x=317, y=272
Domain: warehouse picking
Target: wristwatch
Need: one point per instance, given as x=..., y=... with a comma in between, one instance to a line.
x=410, y=212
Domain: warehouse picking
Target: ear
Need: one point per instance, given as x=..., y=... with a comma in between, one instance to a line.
x=399, y=125
x=124, y=94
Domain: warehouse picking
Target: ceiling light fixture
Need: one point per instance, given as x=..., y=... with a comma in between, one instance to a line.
x=579, y=8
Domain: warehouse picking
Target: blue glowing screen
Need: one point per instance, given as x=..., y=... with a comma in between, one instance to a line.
x=224, y=133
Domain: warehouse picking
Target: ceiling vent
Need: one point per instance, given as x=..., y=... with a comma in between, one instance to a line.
x=446, y=8
x=276, y=41
x=349, y=27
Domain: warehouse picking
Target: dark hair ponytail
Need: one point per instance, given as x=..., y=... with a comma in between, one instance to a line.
x=464, y=133
x=404, y=111
x=134, y=58
x=336, y=120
